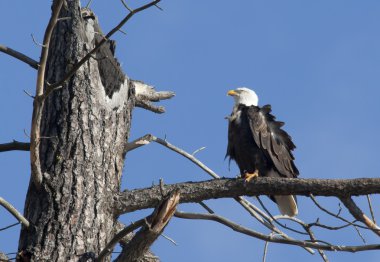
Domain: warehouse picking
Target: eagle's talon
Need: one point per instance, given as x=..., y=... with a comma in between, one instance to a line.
x=249, y=176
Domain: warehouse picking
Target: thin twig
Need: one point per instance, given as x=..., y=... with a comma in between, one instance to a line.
x=35, y=41
x=307, y=228
x=5, y=228
x=28, y=94
x=169, y=239
x=265, y=251
x=206, y=207
x=126, y=6
x=277, y=222
x=14, y=212
x=198, y=150
x=88, y=4
x=274, y=239
x=371, y=209
x=336, y=215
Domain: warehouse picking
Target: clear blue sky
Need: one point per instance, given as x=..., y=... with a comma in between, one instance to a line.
x=316, y=62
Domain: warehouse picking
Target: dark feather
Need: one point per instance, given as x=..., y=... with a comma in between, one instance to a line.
x=256, y=141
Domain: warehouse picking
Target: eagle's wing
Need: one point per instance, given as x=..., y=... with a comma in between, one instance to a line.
x=275, y=142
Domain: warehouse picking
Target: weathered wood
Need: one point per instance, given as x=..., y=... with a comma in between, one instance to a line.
x=85, y=126
x=128, y=201
x=139, y=245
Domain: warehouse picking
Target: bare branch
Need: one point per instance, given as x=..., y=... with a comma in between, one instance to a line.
x=307, y=228
x=35, y=41
x=371, y=209
x=128, y=201
x=271, y=238
x=26, y=59
x=150, y=107
x=126, y=6
x=265, y=251
x=5, y=228
x=14, y=212
x=145, y=94
x=358, y=214
x=39, y=99
x=156, y=223
x=15, y=145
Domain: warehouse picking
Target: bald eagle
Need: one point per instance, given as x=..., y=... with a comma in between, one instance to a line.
x=259, y=146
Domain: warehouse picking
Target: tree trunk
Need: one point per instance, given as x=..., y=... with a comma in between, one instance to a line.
x=84, y=129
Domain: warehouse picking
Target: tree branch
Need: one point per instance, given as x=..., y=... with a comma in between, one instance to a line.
x=358, y=214
x=15, y=145
x=155, y=224
x=128, y=201
x=145, y=94
x=39, y=99
x=14, y=212
x=26, y=59
x=272, y=238
x=248, y=206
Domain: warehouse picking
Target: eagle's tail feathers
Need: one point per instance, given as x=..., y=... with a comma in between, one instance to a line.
x=287, y=205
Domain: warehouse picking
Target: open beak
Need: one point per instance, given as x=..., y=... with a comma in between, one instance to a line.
x=232, y=93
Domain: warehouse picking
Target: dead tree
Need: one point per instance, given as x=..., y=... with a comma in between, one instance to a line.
x=82, y=115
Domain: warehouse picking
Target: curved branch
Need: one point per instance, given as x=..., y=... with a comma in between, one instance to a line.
x=271, y=238
x=39, y=99
x=128, y=201
x=14, y=212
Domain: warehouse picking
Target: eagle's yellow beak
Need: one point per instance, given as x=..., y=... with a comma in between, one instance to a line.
x=232, y=93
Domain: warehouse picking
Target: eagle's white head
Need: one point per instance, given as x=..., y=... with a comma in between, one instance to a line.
x=244, y=96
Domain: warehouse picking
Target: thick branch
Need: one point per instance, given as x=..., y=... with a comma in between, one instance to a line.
x=26, y=59
x=14, y=212
x=271, y=238
x=128, y=201
x=248, y=206
x=155, y=224
x=358, y=214
x=15, y=145
x=146, y=94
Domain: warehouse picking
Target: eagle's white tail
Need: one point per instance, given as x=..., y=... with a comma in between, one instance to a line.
x=287, y=205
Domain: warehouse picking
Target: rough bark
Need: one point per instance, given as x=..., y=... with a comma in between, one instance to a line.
x=128, y=201
x=139, y=245
x=85, y=126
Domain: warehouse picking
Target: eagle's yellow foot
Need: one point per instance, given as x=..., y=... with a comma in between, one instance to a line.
x=249, y=176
